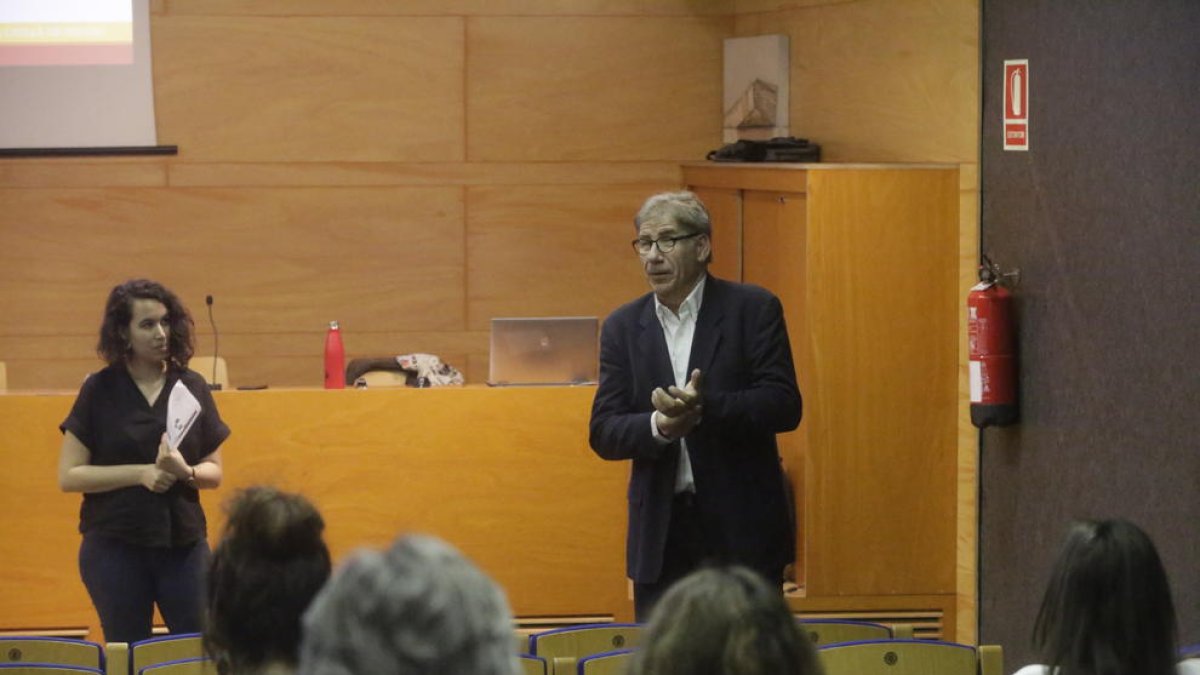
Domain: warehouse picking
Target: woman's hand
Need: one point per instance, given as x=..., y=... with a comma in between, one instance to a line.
x=157, y=480
x=172, y=461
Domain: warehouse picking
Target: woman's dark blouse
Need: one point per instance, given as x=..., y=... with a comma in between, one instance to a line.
x=113, y=420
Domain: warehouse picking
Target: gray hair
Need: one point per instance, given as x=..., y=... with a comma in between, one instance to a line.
x=419, y=607
x=682, y=208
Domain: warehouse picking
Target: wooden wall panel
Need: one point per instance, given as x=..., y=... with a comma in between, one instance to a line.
x=598, y=89
x=130, y=172
x=331, y=174
x=307, y=89
x=292, y=359
x=551, y=251
x=454, y=7
x=277, y=261
x=879, y=80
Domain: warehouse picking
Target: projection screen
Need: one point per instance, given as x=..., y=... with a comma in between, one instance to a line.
x=75, y=74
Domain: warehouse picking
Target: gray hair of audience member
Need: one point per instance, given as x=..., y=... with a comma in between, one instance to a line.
x=724, y=621
x=418, y=607
x=682, y=208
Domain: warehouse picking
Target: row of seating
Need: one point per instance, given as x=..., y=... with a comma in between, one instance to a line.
x=600, y=649
x=596, y=649
x=168, y=655
x=867, y=657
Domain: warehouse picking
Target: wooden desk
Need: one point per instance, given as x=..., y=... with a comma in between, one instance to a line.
x=506, y=475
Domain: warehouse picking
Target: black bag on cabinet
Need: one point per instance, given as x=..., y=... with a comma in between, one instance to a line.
x=781, y=149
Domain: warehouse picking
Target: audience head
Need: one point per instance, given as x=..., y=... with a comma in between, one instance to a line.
x=418, y=607
x=116, y=330
x=1108, y=606
x=724, y=621
x=270, y=563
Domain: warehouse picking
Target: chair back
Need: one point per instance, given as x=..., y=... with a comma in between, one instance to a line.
x=162, y=649
x=563, y=647
x=900, y=657
x=192, y=666
x=829, y=631
x=204, y=366
x=615, y=662
x=23, y=668
x=521, y=640
x=116, y=657
x=533, y=665
x=50, y=651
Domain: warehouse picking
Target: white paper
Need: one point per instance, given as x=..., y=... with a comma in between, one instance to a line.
x=182, y=411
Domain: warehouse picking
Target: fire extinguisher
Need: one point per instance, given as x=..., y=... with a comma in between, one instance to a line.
x=991, y=350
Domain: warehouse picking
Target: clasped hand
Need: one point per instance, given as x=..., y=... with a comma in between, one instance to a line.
x=679, y=409
x=168, y=467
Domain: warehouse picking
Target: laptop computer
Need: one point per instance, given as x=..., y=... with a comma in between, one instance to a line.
x=543, y=351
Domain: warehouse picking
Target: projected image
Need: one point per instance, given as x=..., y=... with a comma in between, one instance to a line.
x=66, y=32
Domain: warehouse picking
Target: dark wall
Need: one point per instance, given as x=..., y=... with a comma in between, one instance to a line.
x=1102, y=216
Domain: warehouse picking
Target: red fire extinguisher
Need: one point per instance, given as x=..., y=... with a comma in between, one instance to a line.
x=991, y=350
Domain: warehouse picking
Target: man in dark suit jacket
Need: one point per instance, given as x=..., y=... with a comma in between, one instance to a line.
x=696, y=379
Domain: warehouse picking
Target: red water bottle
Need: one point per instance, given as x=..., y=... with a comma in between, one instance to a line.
x=335, y=358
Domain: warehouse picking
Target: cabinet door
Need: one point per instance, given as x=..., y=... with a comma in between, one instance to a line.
x=725, y=209
x=880, y=405
x=773, y=249
x=773, y=256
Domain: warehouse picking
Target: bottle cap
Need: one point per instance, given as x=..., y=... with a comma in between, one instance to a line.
x=333, y=325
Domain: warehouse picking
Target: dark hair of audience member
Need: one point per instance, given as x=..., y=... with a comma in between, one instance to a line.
x=724, y=621
x=1108, y=608
x=113, y=344
x=270, y=563
x=418, y=607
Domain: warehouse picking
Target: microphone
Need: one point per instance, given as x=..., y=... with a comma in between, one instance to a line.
x=213, y=385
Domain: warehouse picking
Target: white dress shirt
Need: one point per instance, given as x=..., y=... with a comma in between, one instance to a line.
x=679, y=329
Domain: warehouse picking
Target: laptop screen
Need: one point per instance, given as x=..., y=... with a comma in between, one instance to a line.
x=543, y=350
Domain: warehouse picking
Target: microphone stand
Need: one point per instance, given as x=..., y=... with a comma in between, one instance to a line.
x=213, y=385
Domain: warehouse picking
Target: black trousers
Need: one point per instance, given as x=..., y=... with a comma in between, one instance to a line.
x=685, y=551
x=691, y=545
x=126, y=581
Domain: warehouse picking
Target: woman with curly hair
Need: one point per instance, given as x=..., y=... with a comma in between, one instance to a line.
x=143, y=528
x=268, y=566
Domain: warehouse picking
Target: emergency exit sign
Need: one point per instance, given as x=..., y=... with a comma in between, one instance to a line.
x=1016, y=104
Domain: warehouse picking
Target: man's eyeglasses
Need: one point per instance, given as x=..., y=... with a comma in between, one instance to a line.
x=643, y=245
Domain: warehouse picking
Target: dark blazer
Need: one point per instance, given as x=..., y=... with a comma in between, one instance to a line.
x=749, y=395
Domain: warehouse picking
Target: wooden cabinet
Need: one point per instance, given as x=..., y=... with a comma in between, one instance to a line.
x=864, y=259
